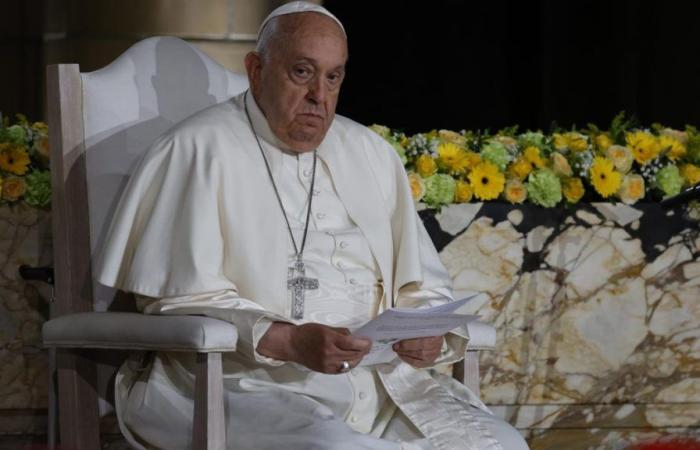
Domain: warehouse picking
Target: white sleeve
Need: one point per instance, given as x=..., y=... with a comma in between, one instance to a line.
x=251, y=320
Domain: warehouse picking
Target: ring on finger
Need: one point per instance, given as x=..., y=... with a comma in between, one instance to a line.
x=344, y=367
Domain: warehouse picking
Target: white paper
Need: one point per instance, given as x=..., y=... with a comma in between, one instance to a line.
x=397, y=324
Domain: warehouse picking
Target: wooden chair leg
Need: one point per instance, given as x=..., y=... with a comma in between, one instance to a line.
x=77, y=396
x=209, y=429
x=467, y=371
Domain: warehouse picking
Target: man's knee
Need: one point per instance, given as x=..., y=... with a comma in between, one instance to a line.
x=506, y=434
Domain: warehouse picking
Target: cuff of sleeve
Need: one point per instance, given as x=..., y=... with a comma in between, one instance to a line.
x=453, y=348
x=258, y=331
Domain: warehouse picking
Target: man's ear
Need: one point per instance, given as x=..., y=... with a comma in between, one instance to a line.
x=253, y=66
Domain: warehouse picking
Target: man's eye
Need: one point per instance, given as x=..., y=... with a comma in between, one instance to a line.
x=301, y=72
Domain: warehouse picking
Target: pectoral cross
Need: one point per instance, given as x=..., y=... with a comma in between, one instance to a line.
x=297, y=283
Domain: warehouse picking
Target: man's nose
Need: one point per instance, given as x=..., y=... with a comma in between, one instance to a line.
x=317, y=90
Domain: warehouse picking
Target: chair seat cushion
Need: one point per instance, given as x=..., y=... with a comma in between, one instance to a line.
x=482, y=336
x=135, y=331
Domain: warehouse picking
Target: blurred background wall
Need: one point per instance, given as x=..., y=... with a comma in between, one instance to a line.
x=34, y=33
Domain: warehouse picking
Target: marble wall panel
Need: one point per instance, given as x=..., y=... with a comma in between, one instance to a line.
x=24, y=239
x=597, y=315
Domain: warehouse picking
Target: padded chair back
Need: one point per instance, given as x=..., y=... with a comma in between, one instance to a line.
x=125, y=106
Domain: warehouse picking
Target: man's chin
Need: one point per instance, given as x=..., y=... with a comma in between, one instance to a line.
x=303, y=141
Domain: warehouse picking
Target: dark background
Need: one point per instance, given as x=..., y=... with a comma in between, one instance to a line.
x=477, y=64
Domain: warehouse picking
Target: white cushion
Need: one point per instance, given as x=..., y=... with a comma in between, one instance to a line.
x=135, y=331
x=482, y=336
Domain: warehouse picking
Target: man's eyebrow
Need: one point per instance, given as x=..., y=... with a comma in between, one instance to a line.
x=314, y=62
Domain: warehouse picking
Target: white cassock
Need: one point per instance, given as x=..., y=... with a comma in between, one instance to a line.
x=200, y=231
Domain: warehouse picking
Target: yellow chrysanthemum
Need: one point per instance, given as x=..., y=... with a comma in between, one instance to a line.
x=532, y=155
x=577, y=142
x=690, y=173
x=515, y=191
x=474, y=159
x=604, y=178
x=417, y=186
x=13, y=188
x=452, y=157
x=673, y=147
x=520, y=168
x=426, y=166
x=573, y=190
x=463, y=192
x=644, y=146
x=14, y=159
x=486, y=181
x=40, y=127
x=603, y=142
x=453, y=137
x=561, y=142
x=631, y=189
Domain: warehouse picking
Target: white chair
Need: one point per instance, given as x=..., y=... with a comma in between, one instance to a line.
x=101, y=123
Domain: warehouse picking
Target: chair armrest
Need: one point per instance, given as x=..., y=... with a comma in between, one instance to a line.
x=482, y=336
x=136, y=331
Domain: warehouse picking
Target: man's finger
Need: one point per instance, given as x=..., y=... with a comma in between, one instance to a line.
x=349, y=343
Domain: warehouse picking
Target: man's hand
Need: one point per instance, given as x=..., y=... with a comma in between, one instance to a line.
x=319, y=347
x=419, y=352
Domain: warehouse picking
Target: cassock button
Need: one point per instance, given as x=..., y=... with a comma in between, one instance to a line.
x=353, y=419
x=339, y=264
x=353, y=281
x=307, y=173
x=320, y=215
x=317, y=191
x=362, y=395
x=343, y=244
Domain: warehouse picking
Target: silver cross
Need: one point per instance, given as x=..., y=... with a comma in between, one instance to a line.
x=297, y=283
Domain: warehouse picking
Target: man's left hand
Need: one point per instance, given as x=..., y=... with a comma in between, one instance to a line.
x=419, y=352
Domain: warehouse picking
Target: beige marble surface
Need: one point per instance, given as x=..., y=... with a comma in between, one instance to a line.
x=597, y=338
x=24, y=239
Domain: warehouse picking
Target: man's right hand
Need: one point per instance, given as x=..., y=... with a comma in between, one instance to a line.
x=319, y=347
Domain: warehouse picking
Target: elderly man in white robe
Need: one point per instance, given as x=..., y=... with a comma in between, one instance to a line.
x=296, y=225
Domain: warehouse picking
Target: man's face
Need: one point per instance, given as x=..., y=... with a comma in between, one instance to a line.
x=297, y=85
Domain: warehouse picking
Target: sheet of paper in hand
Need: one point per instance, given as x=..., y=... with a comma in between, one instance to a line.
x=397, y=324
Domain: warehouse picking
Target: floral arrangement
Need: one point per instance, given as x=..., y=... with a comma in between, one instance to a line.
x=24, y=163
x=624, y=163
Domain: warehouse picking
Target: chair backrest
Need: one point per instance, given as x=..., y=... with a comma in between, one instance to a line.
x=102, y=122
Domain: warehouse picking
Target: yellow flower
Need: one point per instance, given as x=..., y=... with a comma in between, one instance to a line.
x=604, y=178
x=561, y=142
x=577, y=142
x=13, y=188
x=41, y=147
x=425, y=166
x=673, y=147
x=14, y=159
x=520, y=168
x=473, y=158
x=603, y=142
x=452, y=157
x=486, y=181
x=691, y=174
x=631, y=189
x=621, y=157
x=515, y=191
x=573, y=190
x=645, y=146
x=561, y=165
x=417, y=186
x=572, y=140
x=40, y=127
x=463, y=192
x=453, y=138
x=532, y=155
